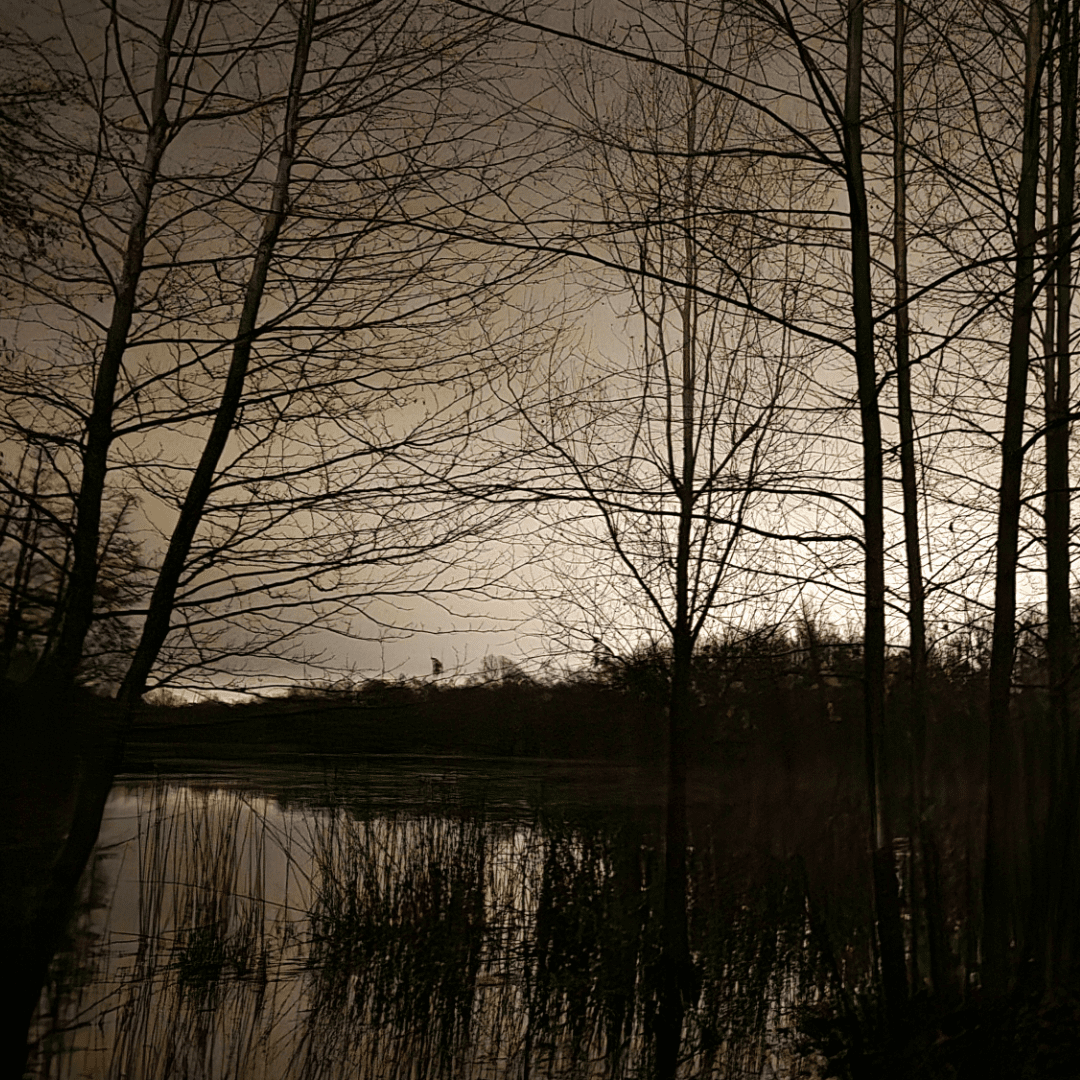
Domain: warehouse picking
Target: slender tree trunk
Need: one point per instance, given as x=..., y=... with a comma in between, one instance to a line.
x=1003, y=895
x=63, y=570
x=156, y=626
x=1055, y=931
x=675, y=968
x=12, y=499
x=675, y=961
x=887, y=904
x=923, y=841
x=57, y=671
x=21, y=576
x=676, y=971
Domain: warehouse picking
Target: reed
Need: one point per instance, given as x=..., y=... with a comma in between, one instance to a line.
x=373, y=931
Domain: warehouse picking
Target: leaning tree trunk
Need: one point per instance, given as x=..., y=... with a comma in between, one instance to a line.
x=50, y=877
x=162, y=600
x=57, y=670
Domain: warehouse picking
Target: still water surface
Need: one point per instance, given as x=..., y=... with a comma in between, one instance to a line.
x=418, y=918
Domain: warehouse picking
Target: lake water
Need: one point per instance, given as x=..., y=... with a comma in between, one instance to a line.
x=425, y=918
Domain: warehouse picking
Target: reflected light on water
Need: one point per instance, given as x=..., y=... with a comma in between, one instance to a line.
x=229, y=932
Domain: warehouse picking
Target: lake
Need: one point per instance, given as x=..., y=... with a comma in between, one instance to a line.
x=438, y=917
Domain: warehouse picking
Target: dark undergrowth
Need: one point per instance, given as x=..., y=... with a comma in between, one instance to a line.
x=772, y=694
x=1028, y=1037
x=777, y=756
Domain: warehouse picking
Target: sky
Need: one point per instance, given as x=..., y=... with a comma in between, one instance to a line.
x=381, y=329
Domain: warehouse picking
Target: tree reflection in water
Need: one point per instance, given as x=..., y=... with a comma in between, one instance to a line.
x=247, y=938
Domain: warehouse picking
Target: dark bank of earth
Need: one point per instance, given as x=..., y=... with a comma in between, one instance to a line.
x=56, y=770
x=1028, y=1038
x=399, y=719
x=577, y=719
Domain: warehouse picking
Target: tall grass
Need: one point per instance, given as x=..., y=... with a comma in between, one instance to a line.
x=247, y=940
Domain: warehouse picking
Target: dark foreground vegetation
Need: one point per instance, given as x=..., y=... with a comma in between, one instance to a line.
x=776, y=736
x=768, y=690
x=777, y=780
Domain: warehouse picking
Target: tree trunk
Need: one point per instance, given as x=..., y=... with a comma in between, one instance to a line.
x=63, y=778
x=922, y=833
x=159, y=614
x=886, y=899
x=56, y=673
x=21, y=576
x=1055, y=929
x=676, y=973
x=1003, y=894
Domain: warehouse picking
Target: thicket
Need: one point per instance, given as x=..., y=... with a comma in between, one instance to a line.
x=779, y=687
x=777, y=746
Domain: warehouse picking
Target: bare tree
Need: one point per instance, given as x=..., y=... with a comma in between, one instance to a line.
x=264, y=320
x=291, y=348
x=664, y=463
x=35, y=556
x=825, y=91
x=1057, y=936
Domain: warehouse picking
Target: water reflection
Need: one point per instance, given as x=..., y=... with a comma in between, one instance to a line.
x=417, y=925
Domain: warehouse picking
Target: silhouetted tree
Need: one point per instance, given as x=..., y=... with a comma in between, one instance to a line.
x=665, y=462
x=263, y=319
x=35, y=558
